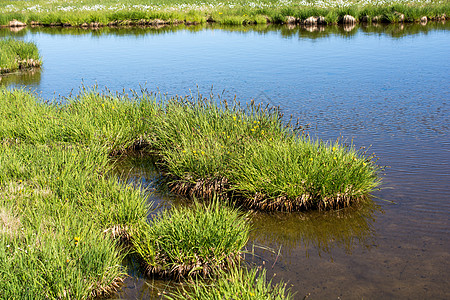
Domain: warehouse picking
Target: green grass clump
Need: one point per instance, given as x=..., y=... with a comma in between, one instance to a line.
x=248, y=154
x=239, y=283
x=15, y=55
x=188, y=241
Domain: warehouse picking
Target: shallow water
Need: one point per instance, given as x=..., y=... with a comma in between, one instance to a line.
x=384, y=87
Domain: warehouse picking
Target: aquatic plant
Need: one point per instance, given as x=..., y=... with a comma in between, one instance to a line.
x=238, y=283
x=189, y=241
x=15, y=55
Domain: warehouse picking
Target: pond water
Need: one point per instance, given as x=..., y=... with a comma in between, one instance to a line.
x=387, y=87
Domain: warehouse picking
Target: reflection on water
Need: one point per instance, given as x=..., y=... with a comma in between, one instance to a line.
x=29, y=78
x=317, y=231
x=314, y=31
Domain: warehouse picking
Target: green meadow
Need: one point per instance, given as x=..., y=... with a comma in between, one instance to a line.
x=237, y=12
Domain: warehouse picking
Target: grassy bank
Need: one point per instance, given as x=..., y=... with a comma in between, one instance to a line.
x=64, y=216
x=238, y=12
x=58, y=216
x=246, y=154
x=16, y=55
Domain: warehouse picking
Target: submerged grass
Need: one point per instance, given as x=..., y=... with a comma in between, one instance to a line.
x=15, y=55
x=238, y=283
x=237, y=12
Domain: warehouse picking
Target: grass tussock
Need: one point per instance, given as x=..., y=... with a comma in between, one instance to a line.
x=189, y=241
x=239, y=283
x=249, y=155
x=16, y=55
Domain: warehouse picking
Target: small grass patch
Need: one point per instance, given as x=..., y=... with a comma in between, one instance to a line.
x=196, y=240
x=16, y=55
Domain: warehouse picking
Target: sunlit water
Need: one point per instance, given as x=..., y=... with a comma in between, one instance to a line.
x=386, y=87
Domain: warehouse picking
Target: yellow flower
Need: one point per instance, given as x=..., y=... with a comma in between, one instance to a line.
x=113, y=107
x=220, y=13
x=253, y=129
x=77, y=239
x=194, y=151
x=184, y=151
x=335, y=158
x=203, y=152
x=311, y=159
x=334, y=149
x=234, y=118
x=364, y=164
x=228, y=136
x=103, y=105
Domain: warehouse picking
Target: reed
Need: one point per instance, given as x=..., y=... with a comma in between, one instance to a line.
x=16, y=55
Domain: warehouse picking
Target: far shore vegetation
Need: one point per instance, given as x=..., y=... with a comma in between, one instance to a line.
x=94, y=13
x=18, y=55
